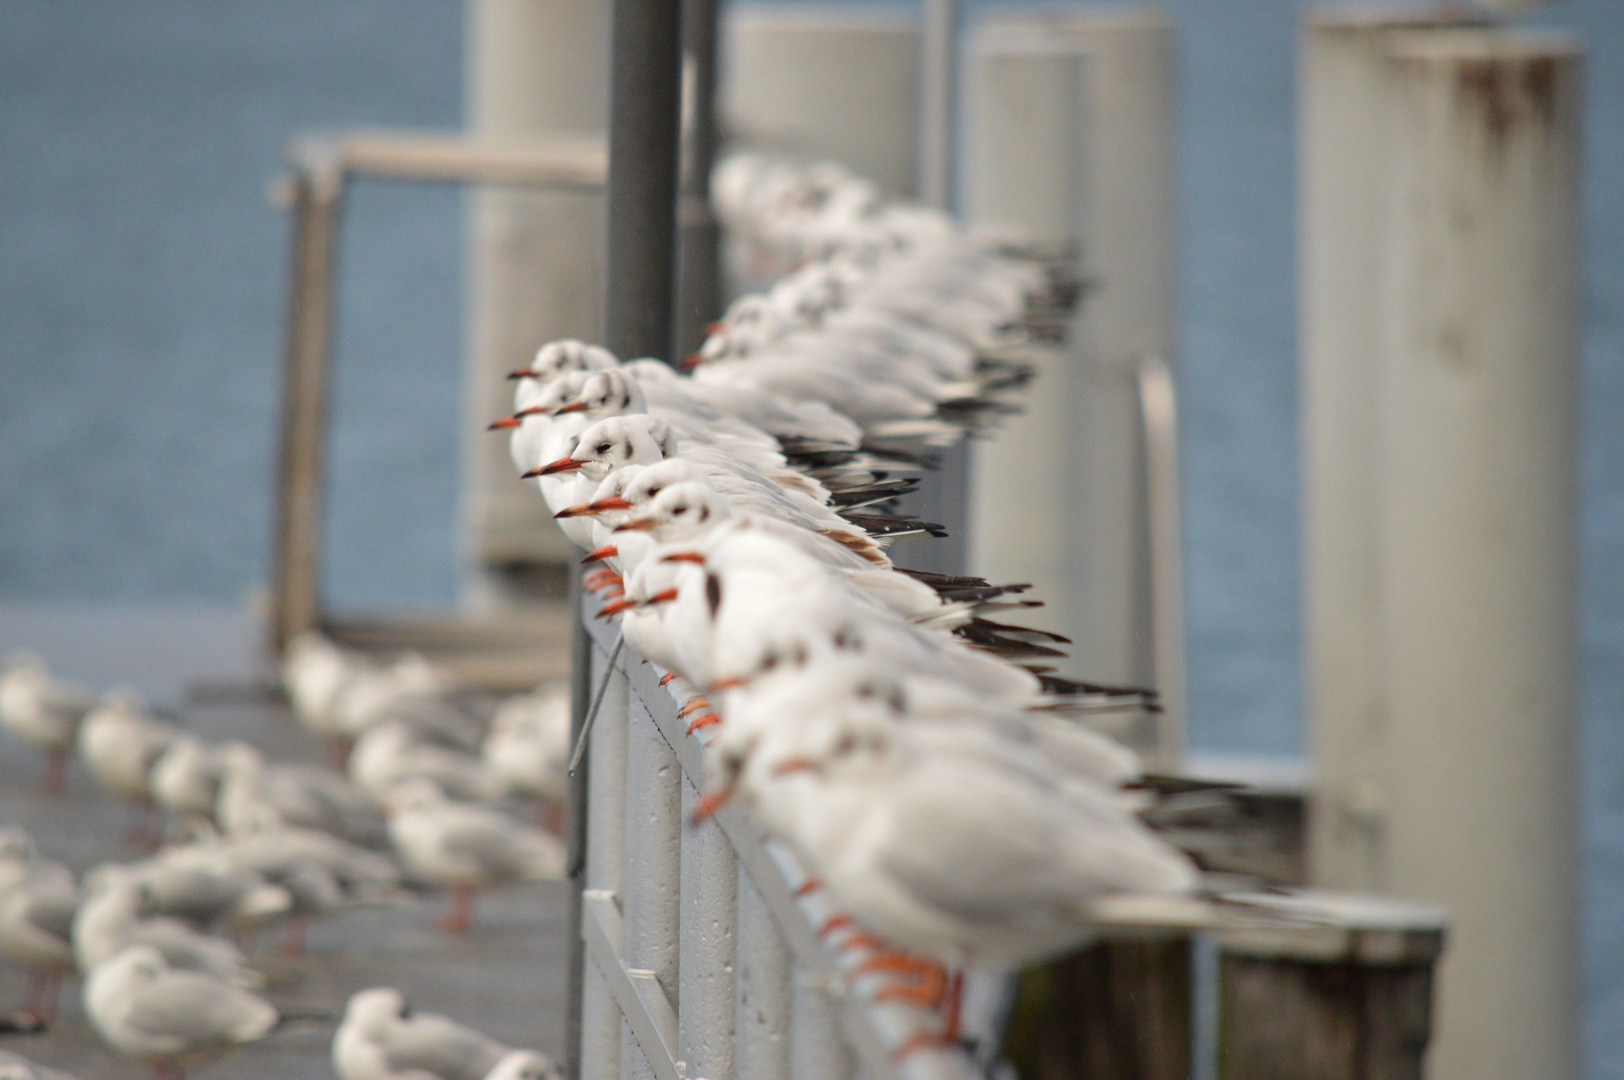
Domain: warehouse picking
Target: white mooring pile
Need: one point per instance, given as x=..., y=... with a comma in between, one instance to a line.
x=934, y=777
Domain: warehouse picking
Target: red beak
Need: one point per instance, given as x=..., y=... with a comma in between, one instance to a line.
x=685, y=556
x=715, y=327
x=574, y=406
x=732, y=682
x=613, y=502
x=605, y=552
x=664, y=596
x=689, y=362
x=504, y=424
x=522, y=373
x=634, y=525
x=578, y=510
x=561, y=465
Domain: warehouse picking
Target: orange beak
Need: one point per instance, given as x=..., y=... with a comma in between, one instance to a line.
x=708, y=804
x=634, y=525
x=605, y=552
x=616, y=608
x=613, y=502
x=685, y=556
x=504, y=424
x=522, y=373
x=551, y=468
x=689, y=362
x=574, y=406
x=664, y=596
x=715, y=327
x=731, y=682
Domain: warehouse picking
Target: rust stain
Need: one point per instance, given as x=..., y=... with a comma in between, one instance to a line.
x=1540, y=83
x=1510, y=90
x=1487, y=82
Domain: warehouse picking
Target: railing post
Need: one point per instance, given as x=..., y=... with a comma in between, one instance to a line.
x=818, y=1050
x=761, y=988
x=706, y=959
x=650, y=899
x=605, y=865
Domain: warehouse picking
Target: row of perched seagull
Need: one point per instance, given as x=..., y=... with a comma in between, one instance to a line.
x=922, y=758
x=252, y=843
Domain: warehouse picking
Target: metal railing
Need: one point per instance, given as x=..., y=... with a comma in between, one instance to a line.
x=711, y=953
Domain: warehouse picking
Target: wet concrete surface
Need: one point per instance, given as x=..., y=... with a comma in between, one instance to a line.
x=505, y=977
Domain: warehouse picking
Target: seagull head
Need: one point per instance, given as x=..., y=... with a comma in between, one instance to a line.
x=566, y=355
x=607, y=393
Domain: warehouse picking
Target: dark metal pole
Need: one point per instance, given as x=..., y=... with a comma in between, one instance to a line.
x=699, y=278
x=644, y=117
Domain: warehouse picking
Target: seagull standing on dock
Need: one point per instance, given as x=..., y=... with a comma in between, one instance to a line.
x=43, y=711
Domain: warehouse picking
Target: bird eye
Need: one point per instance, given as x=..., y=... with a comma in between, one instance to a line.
x=653, y=491
x=704, y=514
x=800, y=655
x=845, y=745
x=769, y=661
x=679, y=509
x=603, y=448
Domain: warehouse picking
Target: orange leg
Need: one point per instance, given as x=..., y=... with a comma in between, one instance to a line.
x=293, y=942
x=56, y=772
x=703, y=722
x=949, y=1035
x=809, y=886
x=693, y=705
x=461, y=915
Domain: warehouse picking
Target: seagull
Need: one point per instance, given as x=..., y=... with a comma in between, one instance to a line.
x=466, y=847
x=949, y=842
x=396, y=751
x=202, y=884
x=314, y=672
x=38, y=899
x=528, y=747
x=43, y=711
x=145, y=1009
x=381, y=1039
x=114, y=917
x=185, y=780
x=120, y=741
x=254, y=795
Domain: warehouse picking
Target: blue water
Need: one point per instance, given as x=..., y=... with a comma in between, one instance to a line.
x=141, y=292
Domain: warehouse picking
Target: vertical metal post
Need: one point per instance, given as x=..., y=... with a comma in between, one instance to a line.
x=818, y=1050
x=605, y=865
x=644, y=136
x=650, y=894
x=316, y=189
x=699, y=237
x=707, y=949
x=761, y=989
